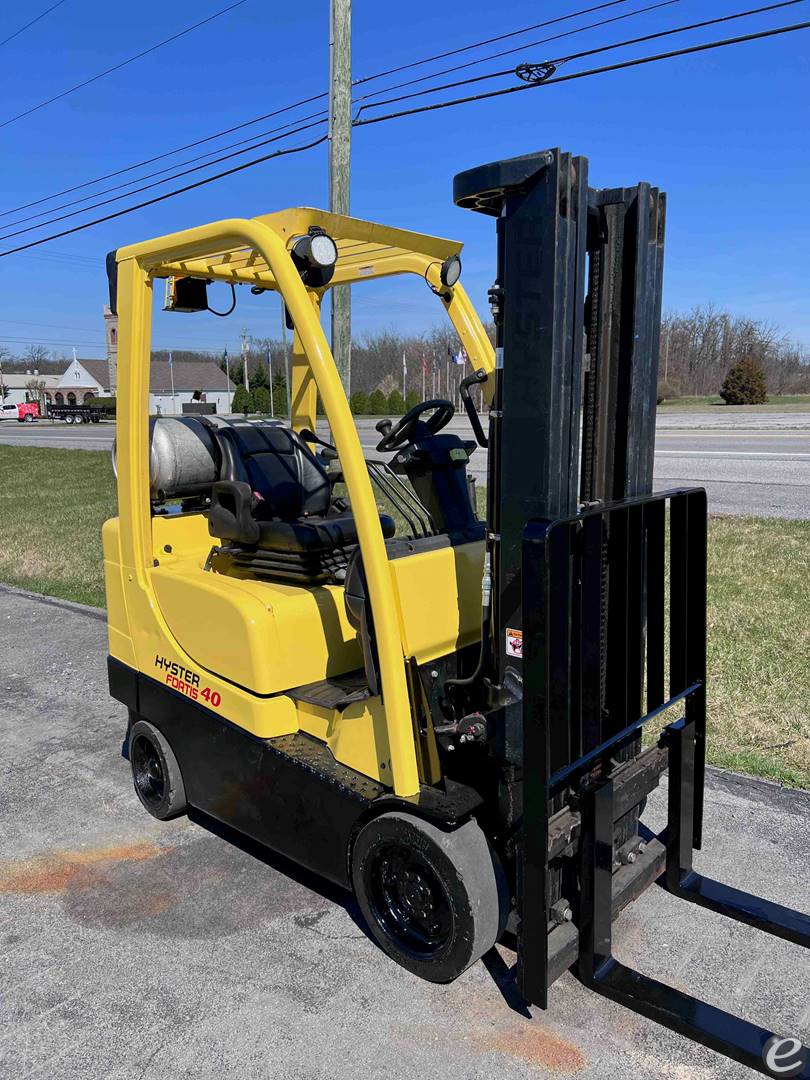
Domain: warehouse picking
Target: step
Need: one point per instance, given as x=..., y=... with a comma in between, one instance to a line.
x=337, y=692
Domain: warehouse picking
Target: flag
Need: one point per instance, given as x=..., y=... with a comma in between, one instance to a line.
x=404, y=365
x=171, y=359
x=424, y=365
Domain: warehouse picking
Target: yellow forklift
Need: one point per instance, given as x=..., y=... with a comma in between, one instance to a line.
x=336, y=657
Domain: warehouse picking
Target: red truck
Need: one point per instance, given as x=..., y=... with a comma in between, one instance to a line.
x=25, y=412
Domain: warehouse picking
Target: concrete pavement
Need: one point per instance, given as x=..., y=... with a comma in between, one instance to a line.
x=133, y=949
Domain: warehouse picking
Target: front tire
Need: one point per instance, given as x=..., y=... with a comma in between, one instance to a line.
x=156, y=772
x=434, y=901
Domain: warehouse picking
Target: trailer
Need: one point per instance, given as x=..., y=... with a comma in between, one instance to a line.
x=78, y=414
x=444, y=716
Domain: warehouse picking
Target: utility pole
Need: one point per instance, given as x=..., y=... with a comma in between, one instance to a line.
x=245, y=358
x=287, y=374
x=270, y=376
x=228, y=379
x=340, y=136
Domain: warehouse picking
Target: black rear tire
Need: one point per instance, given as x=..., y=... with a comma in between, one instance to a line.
x=155, y=772
x=434, y=901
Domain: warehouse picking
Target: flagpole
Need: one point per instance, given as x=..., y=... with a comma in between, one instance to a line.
x=404, y=373
x=228, y=380
x=171, y=373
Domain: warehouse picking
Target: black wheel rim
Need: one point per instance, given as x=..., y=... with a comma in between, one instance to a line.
x=147, y=769
x=409, y=901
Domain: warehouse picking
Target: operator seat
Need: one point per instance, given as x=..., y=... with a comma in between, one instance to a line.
x=274, y=496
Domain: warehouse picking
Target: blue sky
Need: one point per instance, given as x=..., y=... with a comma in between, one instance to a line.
x=725, y=133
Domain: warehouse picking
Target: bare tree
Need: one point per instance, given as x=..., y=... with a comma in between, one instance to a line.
x=5, y=355
x=36, y=355
x=36, y=391
x=699, y=347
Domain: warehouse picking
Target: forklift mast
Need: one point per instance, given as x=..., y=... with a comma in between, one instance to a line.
x=577, y=310
x=593, y=577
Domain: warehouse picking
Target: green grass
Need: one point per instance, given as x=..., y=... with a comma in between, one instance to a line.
x=52, y=506
x=53, y=503
x=759, y=644
x=714, y=403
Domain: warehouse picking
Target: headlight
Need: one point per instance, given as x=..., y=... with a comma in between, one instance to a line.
x=450, y=271
x=322, y=250
x=315, y=256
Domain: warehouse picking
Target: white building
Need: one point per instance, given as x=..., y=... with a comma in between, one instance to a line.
x=28, y=386
x=85, y=380
x=170, y=385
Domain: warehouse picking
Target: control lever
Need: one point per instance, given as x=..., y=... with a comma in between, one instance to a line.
x=478, y=376
x=308, y=436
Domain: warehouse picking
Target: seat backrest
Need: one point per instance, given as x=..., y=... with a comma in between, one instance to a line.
x=278, y=465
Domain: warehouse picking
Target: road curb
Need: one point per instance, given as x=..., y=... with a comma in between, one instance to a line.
x=56, y=601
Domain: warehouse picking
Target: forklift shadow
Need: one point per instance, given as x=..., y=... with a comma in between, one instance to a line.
x=504, y=978
x=282, y=865
x=501, y=974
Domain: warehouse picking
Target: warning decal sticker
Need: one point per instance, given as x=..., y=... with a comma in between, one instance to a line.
x=514, y=643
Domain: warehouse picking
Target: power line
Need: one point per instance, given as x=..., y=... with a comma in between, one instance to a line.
x=160, y=157
x=49, y=326
x=255, y=145
x=122, y=64
x=521, y=48
x=167, y=195
x=487, y=41
x=50, y=343
x=583, y=74
x=157, y=183
x=319, y=117
x=309, y=100
x=588, y=52
x=420, y=109
x=65, y=256
x=22, y=29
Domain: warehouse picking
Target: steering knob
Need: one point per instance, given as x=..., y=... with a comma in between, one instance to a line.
x=384, y=426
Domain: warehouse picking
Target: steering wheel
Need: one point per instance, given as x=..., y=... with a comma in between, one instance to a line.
x=394, y=438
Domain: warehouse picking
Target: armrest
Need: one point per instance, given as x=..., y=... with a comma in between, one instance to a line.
x=231, y=513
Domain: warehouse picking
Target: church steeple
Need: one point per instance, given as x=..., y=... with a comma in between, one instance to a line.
x=111, y=337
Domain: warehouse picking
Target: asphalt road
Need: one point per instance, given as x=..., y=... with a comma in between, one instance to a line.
x=749, y=464
x=131, y=948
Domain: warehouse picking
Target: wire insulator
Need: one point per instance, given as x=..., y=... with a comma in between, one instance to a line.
x=535, y=73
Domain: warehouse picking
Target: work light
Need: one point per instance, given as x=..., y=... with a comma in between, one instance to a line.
x=315, y=255
x=319, y=250
x=450, y=271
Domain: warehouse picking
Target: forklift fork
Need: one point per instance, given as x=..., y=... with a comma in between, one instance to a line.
x=597, y=967
x=682, y=880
